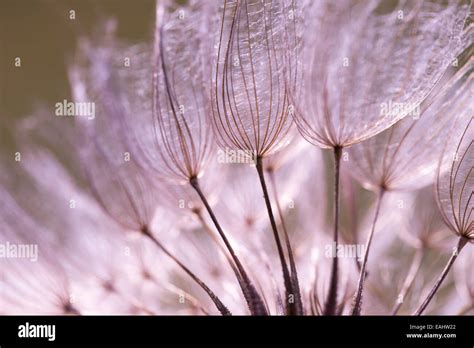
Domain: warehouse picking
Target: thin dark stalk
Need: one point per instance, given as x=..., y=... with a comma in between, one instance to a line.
x=205, y=225
x=286, y=273
x=330, y=306
x=409, y=280
x=462, y=242
x=220, y=306
x=253, y=298
x=294, y=273
x=214, y=238
x=360, y=285
x=176, y=290
x=354, y=220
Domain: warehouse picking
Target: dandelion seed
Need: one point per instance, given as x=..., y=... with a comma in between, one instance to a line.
x=251, y=105
x=404, y=156
x=455, y=191
x=347, y=79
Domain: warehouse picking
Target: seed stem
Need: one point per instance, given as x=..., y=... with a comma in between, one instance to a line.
x=215, y=239
x=253, y=298
x=461, y=243
x=330, y=306
x=357, y=304
x=220, y=306
x=286, y=273
x=409, y=280
x=294, y=273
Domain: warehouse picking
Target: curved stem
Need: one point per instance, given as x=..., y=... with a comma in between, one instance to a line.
x=214, y=238
x=220, y=306
x=194, y=302
x=330, y=306
x=462, y=242
x=210, y=232
x=286, y=273
x=254, y=301
x=409, y=280
x=176, y=290
x=294, y=273
x=352, y=211
x=360, y=285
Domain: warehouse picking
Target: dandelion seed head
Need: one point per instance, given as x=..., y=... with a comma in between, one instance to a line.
x=347, y=79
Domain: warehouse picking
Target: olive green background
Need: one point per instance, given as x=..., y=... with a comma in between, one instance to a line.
x=41, y=33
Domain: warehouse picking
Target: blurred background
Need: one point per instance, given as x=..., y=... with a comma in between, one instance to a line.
x=43, y=34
